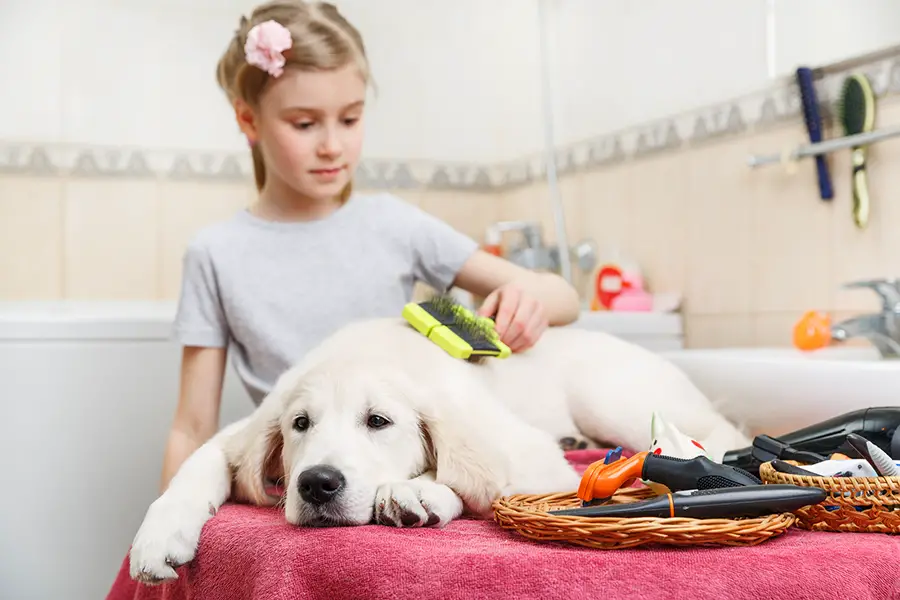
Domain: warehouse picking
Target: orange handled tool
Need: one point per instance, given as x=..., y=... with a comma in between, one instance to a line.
x=600, y=481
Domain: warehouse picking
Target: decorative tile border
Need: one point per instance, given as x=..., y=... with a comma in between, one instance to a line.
x=777, y=104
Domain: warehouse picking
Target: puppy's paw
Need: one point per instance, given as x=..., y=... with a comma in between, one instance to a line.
x=416, y=503
x=576, y=443
x=167, y=539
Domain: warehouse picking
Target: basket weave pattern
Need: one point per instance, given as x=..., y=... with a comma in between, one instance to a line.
x=527, y=515
x=876, y=498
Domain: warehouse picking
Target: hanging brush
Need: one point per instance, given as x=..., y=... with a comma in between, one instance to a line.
x=454, y=328
x=856, y=109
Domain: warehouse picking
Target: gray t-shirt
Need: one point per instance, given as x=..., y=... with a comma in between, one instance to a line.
x=270, y=291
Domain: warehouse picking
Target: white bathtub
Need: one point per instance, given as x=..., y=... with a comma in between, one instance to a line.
x=88, y=393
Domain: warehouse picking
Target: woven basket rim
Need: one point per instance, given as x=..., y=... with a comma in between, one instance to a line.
x=532, y=516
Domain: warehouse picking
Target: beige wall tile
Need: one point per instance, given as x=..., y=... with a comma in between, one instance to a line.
x=718, y=331
x=884, y=181
x=112, y=239
x=865, y=253
x=185, y=208
x=607, y=210
x=31, y=256
x=775, y=329
x=529, y=203
x=719, y=240
x=792, y=232
x=658, y=205
x=471, y=213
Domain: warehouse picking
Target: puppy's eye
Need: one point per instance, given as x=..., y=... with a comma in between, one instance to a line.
x=377, y=422
x=301, y=423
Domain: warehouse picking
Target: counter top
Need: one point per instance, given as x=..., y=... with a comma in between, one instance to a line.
x=74, y=319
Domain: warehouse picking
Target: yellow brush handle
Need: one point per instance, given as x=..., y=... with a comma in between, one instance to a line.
x=860, y=189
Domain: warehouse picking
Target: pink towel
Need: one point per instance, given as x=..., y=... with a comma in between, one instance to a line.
x=248, y=552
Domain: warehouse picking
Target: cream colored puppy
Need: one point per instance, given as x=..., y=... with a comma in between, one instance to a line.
x=378, y=424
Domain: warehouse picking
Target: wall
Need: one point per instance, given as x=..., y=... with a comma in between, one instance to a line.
x=750, y=249
x=122, y=146
x=99, y=192
x=617, y=65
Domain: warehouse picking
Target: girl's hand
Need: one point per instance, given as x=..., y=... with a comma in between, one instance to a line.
x=519, y=319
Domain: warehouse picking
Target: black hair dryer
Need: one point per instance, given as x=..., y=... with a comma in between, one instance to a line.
x=880, y=425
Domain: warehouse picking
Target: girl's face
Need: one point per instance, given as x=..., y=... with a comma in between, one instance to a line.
x=309, y=126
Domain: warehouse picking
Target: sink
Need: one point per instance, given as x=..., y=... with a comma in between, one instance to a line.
x=778, y=390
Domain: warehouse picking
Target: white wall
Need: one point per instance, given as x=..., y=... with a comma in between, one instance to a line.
x=816, y=32
x=619, y=64
x=457, y=80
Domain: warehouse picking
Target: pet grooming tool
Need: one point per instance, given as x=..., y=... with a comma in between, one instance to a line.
x=786, y=467
x=455, y=329
x=600, y=481
x=613, y=455
x=814, y=128
x=879, y=425
x=875, y=456
x=722, y=503
x=829, y=468
x=857, y=114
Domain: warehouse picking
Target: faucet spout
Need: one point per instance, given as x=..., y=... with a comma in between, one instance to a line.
x=872, y=327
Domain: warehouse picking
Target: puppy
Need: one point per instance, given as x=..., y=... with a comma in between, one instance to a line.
x=377, y=424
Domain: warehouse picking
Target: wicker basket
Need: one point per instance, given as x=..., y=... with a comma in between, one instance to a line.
x=860, y=504
x=527, y=515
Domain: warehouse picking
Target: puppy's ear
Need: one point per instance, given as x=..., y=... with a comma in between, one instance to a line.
x=256, y=457
x=466, y=457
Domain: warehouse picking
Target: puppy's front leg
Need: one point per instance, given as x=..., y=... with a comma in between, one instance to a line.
x=419, y=502
x=170, y=532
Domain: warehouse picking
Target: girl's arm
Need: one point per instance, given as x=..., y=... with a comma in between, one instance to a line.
x=523, y=302
x=199, y=400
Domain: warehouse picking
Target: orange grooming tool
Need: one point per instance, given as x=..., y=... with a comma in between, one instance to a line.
x=600, y=481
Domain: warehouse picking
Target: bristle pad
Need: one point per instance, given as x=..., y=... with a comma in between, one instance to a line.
x=853, y=107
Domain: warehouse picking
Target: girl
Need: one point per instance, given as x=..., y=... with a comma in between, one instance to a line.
x=310, y=254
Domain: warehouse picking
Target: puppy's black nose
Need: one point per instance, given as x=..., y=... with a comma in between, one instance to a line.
x=320, y=484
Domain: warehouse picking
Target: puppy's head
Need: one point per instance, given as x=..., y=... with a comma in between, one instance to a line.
x=344, y=429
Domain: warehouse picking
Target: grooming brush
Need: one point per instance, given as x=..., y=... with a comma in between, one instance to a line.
x=722, y=503
x=454, y=328
x=814, y=128
x=880, y=461
x=600, y=481
x=857, y=114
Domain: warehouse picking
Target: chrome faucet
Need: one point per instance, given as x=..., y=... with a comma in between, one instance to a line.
x=532, y=253
x=881, y=329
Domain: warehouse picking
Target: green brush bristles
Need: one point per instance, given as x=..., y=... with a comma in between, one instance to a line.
x=855, y=105
x=462, y=320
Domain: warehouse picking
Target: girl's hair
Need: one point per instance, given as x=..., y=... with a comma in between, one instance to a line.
x=321, y=39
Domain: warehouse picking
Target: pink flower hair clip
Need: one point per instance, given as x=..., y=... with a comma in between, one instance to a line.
x=264, y=47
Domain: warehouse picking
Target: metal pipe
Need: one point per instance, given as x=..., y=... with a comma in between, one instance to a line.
x=859, y=139
x=559, y=218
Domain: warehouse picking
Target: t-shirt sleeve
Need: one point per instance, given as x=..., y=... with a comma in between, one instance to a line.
x=200, y=320
x=439, y=250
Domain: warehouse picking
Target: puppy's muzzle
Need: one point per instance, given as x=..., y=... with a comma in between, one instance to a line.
x=320, y=484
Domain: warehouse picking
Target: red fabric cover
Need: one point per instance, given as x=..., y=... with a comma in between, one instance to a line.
x=248, y=553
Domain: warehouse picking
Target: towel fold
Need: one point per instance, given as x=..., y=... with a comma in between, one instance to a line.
x=252, y=553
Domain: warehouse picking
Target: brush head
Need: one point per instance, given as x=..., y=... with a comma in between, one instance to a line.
x=456, y=329
x=856, y=106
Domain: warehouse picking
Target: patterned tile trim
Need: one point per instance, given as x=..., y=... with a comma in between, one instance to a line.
x=777, y=104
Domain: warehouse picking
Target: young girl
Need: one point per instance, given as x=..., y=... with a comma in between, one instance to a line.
x=310, y=254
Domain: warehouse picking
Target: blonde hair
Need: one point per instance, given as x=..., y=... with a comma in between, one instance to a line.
x=321, y=39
